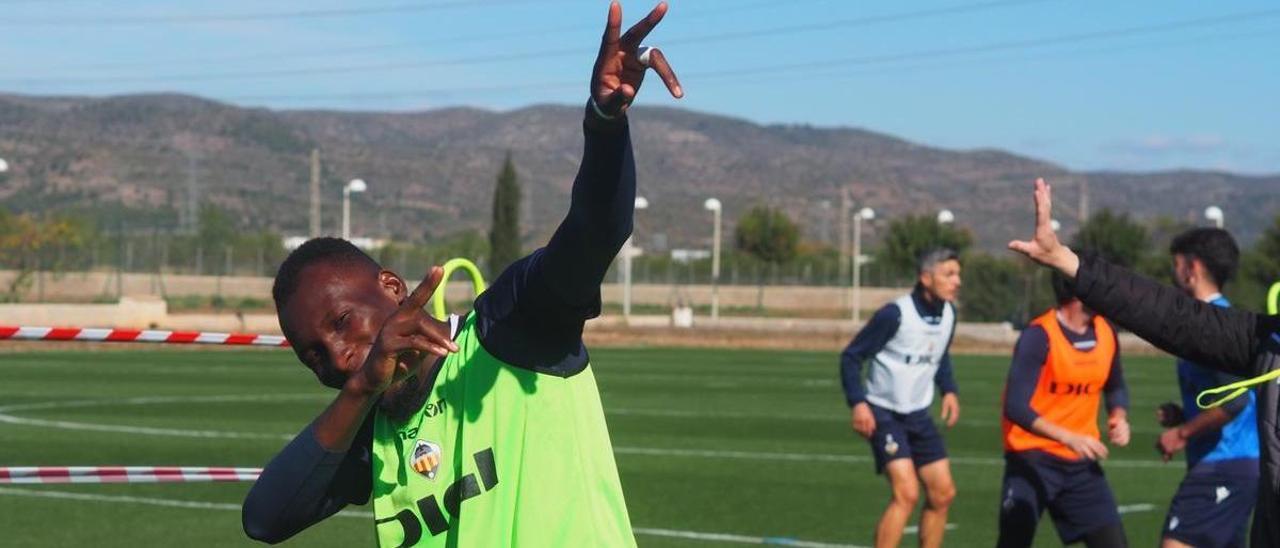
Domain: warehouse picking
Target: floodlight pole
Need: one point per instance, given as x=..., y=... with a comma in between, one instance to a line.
x=628, y=252
x=868, y=214
x=1216, y=215
x=356, y=185
x=715, y=207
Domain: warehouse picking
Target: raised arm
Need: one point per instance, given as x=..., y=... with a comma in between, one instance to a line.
x=1226, y=339
x=603, y=199
x=533, y=314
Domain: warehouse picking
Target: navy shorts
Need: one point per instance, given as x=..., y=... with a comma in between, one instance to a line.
x=1213, y=504
x=1075, y=493
x=905, y=435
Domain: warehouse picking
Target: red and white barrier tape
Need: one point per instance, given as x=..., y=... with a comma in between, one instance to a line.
x=124, y=474
x=137, y=335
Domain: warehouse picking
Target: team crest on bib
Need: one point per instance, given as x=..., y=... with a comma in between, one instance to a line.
x=426, y=458
x=890, y=446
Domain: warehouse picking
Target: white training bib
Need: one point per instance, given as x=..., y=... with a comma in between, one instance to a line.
x=901, y=378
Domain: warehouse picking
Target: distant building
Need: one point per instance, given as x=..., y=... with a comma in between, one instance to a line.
x=690, y=255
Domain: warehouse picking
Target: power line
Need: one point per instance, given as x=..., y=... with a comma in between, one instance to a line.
x=1003, y=46
x=500, y=58
x=826, y=68
x=391, y=9
x=685, y=15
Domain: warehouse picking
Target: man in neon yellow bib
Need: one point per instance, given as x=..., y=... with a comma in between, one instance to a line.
x=483, y=430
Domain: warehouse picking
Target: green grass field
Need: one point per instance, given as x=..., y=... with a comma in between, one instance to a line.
x=748, y=443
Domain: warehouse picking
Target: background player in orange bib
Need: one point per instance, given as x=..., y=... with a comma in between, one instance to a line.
x=1064, y=363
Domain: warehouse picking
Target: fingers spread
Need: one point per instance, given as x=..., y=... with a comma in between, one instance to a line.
x=431, y=330
x=612, y=27
x=658, y=62
x=425, y=289
x=640, y=30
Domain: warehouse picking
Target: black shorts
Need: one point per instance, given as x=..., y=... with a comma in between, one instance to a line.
x=905, y=435
x=1213, y=504
x=1075, y=493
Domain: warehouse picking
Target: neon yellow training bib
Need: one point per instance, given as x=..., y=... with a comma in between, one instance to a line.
x=499, y=456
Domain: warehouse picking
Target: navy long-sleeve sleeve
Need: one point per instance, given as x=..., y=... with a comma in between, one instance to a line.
x=1115, y=393
x=873, y=337
x=945, y=378
x=305, y=484
x=1029, y=355
x=534, y=313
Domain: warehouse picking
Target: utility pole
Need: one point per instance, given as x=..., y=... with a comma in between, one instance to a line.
x=315, y=193
x=192, y=221
x=1084, y=201
x=845, y=205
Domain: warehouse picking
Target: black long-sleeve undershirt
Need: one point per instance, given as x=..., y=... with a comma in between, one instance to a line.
x=532, y=316
x=1226, y=339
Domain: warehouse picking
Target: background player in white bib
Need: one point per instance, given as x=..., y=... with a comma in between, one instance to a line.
x=907, y=343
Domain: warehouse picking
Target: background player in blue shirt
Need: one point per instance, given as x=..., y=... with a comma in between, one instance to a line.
x=1214, y=501
x=907, y=342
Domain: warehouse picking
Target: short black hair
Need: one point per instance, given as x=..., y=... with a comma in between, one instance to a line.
x=315, y=250
x=1215, y=248
x=935, y=256
x=1063, y=292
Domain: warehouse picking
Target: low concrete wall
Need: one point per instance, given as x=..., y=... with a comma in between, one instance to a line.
x=137, y=313
x=87, y=286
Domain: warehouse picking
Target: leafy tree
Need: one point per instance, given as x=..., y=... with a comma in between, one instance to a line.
x=1259, y=269
x=504, y=232
x=993, y=289
x=25, y=238
x=770, y=237
x=1116, y=237
x=909, y=237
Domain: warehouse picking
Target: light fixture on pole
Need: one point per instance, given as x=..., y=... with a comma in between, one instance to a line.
x=864, y=214
x=946, y=217
x=1215, y=215
x=357, y=186
x=629, y=252
x=715, y=207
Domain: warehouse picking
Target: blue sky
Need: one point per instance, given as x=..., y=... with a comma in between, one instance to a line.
x=1090, y=84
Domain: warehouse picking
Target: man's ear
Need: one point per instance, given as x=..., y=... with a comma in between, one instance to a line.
x=393, y=285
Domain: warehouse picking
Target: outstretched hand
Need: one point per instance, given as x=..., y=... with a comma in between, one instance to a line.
x=619, y=68
x=1044, y=247
x=406, y=339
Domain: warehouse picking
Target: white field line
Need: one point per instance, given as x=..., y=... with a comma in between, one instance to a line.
x=5, y=417
x=229, y=507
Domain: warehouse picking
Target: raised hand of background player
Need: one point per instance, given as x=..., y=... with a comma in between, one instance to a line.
x=950, y=409
x=1044, y=247
x=1118, y=430
x=619, y=71
x=864, y=422
x=406, y=339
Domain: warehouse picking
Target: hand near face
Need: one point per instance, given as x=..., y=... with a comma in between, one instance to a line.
x=406, y=340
